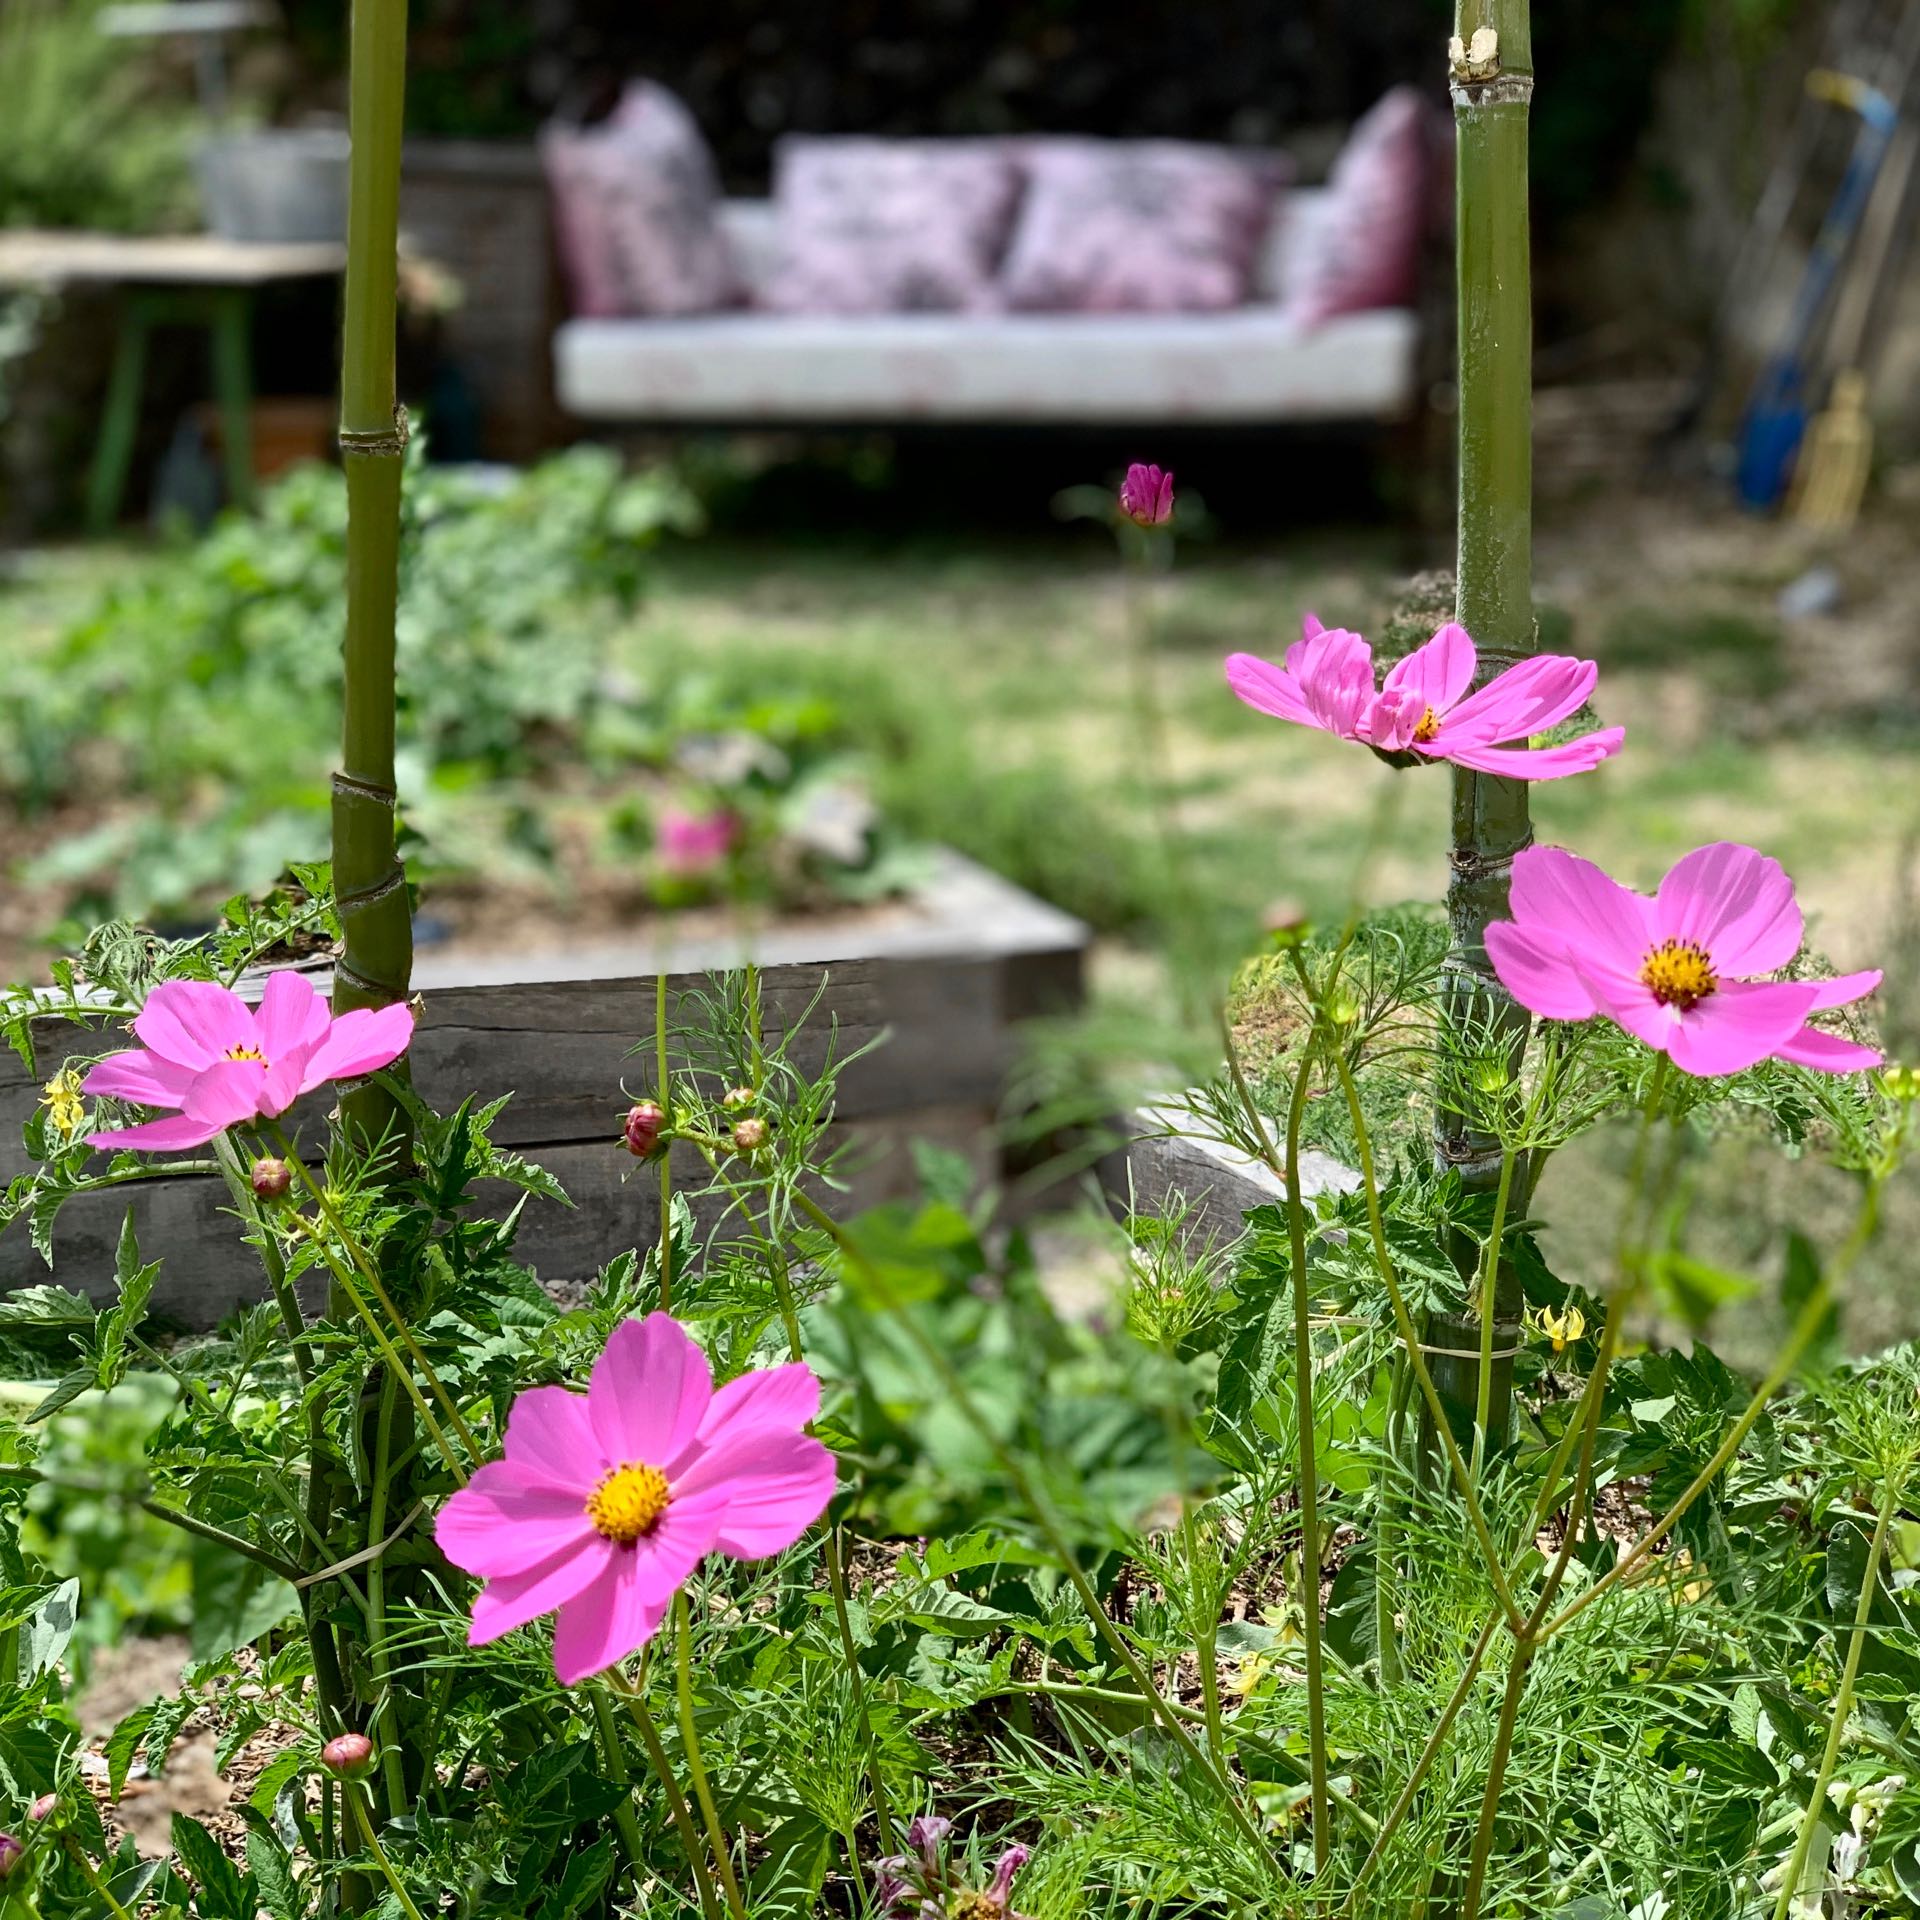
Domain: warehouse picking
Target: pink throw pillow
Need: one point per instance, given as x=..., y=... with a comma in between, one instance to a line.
x=889, y=226
x=1361, y=249
x=1141, y=226
x=636, y=203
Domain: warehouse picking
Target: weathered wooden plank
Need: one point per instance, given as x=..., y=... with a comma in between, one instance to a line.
x=952, y=974
x=1216, y=1183
x=943, y=978
x=208, y=1269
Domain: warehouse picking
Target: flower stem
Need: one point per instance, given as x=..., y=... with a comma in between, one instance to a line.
x=1410, y=1340
x=1309, y=1468
x=615, y=1759
x=696, y=1767
x=1489, y=1278
x=389, y=1352
x=1041, y=1509
x=364, y=1263
x=392, y=1773
x=350, y=1799
x=666, y=1153
x=636, y=1701
x=91, y=1875
x=1523, y=1652
x=1843, y=1699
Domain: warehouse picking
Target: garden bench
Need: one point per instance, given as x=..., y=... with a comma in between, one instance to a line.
x=1252, y=365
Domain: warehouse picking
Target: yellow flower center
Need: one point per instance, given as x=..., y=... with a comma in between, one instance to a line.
x=975, y=1906
x=1428, y=727
x=1678, y=974
x=629, y=1502
x=246, y=1053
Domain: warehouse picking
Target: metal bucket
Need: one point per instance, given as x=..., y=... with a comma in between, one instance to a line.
x=276, y=185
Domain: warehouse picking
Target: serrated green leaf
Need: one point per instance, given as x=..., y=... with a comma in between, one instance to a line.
x=223, y=1894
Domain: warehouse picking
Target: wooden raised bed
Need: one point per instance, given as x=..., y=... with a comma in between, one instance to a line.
x=946, y=975
x=1215, y=1183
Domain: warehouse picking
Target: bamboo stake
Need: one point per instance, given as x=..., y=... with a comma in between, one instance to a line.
x=1492, y=73
x=369, y=881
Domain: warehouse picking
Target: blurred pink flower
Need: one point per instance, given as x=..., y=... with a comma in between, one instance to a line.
x=214, y=1061
x=1146, y=495
x=607, y=1501
x=687, y=843
x=1425, y=707
x=1678, y=971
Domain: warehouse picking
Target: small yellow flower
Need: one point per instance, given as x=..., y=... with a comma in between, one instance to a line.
x=66, y=1110
x=1563, y=1328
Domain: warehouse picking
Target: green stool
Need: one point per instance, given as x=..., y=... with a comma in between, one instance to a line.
x=227, y=314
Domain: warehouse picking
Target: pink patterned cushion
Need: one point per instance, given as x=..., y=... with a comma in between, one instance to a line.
x=889, y=226
x=1146, y=226
x=1362, y=247
x=636, y=204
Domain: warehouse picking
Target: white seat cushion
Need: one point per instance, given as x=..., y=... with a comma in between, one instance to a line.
x=1248, y=366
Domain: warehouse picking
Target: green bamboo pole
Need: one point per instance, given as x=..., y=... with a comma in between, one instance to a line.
x=1492, y=73
x=377, y=966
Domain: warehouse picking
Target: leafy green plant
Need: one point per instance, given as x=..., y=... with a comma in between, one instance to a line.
x=182, y=727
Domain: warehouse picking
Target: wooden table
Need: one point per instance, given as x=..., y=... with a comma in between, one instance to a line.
x=194, y=279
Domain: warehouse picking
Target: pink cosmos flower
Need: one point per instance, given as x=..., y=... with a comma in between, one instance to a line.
x=607, y=1501
x=214, y=1061
x=1146, y=495
x=1424, y=707
x=1680, y=971
x=687, y=843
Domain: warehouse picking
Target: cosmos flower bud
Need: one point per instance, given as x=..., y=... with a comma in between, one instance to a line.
x=646, y=1121
x=927, y=1834
x=735, y=1097
x=347, y=1753
x=271, y=1179
x=749, y=1135
x=1009, y=1863
x=42, y=1808
x=1146, y=495
x=11, y=1854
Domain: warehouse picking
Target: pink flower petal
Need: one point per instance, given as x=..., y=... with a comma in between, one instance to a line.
x=507, y=1518
x=157, y=1136
x=1536, y=970
x=513, y=1599
x=1734, y=902
x=1391, y=720
x=291, y=1016
x=550, y=1434
x=770, y=1399
x=1739, y=1024
x=227, y=1093
x=1333, y=669
x=193, y=1023
x=648, y=1391
x=1530, y=763
x=776, y=1485
x=140, y=1077
x=1268, y=689
x=612, y=1620
x=1558, y=894
x=362, y=1041
x=1845, y=989
x=1437, y=674
x=1529, y=697
x=1626, y=1002
x=1827, y=1052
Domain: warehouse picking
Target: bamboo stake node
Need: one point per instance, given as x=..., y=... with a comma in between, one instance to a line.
x=379, y=441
